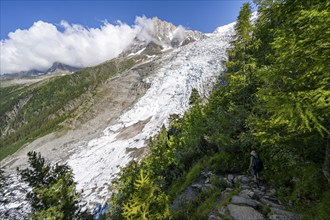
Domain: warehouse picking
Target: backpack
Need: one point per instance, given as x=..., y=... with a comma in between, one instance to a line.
x=257, y=164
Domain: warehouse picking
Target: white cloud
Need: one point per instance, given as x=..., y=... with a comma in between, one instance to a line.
x=43, y=44
x=179, y=33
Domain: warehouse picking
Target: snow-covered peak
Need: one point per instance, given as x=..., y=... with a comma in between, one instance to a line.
x=164, y=34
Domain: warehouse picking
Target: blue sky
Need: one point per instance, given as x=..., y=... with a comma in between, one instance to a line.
x=204, y=16
x=35, y=34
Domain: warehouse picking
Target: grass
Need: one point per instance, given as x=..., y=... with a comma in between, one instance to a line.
x=188, y=179
x=207, y=205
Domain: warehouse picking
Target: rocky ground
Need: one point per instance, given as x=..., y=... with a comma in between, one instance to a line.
x=241, y=199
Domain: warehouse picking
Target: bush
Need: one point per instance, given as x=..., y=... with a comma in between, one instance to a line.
x=309, y=185
x=223, y=163
x=323, y=208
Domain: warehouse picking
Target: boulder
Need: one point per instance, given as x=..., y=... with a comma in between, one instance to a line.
x=244, y=187
x=271, y=203
x=197, y=186
x=207, y=187
x=241, y=200
x=246, y=193
x=229, y=183
x=243, y=179
x=258, y=193
x=188, y=195
x=230, y=177
x=271, y=192
x=214, y=217
x=244, y=213
x=222, y=210
x=206, y=173
x=284, y=213
x=278, y=217
x=224, y=194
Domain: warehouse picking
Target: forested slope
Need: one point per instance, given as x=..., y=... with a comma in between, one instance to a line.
x=274, y=99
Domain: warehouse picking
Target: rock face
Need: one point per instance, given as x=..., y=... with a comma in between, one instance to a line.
x=61, y=67
x=244, y=213
x=243, y=201
x=163, y=34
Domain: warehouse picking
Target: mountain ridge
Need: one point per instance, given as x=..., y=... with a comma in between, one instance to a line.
x=56, y=67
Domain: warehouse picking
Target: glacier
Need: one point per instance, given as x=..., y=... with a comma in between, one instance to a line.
x=196, y=65
x=96, y=162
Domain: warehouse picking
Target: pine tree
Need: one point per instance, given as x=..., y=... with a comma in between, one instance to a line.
x=53, y=194
x=194, y=97
x=239, y=57
x=295, y=94
x=147, y=202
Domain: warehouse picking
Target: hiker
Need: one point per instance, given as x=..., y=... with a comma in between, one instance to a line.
x=256, y=165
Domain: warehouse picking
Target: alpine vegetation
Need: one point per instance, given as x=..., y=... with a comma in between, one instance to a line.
x=196, y=116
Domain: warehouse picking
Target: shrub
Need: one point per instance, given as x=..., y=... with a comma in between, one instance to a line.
x=223, y=163
x=323, y=208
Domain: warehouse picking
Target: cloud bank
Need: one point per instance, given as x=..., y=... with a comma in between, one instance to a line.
x=43, y=44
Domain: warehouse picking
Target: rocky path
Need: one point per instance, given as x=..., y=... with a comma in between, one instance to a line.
x=252, y=202
x=241, y=200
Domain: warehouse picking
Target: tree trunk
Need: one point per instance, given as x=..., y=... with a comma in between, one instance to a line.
x=326, y=164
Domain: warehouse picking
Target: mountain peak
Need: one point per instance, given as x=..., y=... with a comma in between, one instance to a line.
x=61, y=67
x=164, y=34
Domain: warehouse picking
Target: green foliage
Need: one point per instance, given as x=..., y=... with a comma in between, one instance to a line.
x=309, y=185
x=224, y=163
x=200, y=206
x=147, y=202
x=123, y=188
x=290, y=118
x=243, y=26
x=194, y=97
x=296, y=96
x=240, y=63
x=186, y=179
x=161, y=157
x=53, y=192
x=206, y=204
x=323, y=208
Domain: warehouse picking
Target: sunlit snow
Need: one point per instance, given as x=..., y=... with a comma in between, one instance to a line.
x=197, y=65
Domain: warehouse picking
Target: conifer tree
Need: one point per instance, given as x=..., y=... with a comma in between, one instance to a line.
x=295, y=94
x=147, y=202
x=239, y=56
x=53, y=194
x=194, y=97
